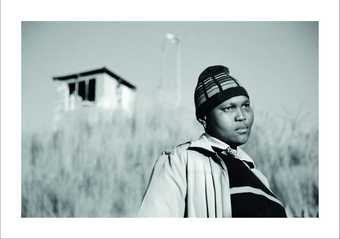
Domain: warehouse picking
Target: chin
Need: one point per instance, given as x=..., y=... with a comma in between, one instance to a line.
x=240, y=141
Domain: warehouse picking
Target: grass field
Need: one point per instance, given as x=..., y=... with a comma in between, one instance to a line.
x=101, y=169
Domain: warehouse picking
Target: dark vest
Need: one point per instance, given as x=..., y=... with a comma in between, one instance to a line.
x=249, y=196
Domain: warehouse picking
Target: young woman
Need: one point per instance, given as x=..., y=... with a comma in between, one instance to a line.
x=212, y=176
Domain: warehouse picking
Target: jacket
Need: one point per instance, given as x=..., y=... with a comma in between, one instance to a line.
x=191, y=181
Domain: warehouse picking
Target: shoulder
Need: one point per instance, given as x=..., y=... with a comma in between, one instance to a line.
x=177, y=153
x=182, y=148
x=184, y=152
x=190, y=146
x=194, y=150
x=171, y=164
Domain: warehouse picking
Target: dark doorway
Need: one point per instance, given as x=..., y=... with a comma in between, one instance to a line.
x=82, y=89
x=85, y=91
x=92, y=90
x=72, y=87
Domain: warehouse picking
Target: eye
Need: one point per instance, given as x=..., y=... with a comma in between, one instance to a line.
x=228, y=108
x=246, y=105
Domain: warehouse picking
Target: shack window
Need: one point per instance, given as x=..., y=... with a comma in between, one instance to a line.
x=82, y=90
x=86, y=90
x=71, y=87
x=92, y=90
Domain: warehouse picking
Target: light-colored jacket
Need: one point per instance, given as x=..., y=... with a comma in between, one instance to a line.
x=191, y=181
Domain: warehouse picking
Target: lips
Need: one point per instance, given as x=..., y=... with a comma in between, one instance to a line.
x=242, y=130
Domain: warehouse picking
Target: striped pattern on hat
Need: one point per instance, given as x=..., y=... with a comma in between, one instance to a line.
x=214, y=86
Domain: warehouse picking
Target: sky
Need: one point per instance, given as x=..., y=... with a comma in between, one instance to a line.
x=277, y=62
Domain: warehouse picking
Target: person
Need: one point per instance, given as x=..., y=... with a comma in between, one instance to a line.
x=213, y=176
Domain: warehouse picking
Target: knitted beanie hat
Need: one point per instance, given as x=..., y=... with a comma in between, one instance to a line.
x=214, y=86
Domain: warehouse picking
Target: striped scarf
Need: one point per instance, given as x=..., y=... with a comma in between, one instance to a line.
x=249, y=196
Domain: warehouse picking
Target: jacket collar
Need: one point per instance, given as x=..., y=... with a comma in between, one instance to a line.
x=205, y=141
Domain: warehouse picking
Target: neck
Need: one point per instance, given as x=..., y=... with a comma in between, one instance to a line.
x=221, y=141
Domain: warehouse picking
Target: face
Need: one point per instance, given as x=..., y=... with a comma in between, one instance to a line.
x=231, y=121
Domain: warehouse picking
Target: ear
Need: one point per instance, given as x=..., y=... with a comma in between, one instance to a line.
x=203, y=121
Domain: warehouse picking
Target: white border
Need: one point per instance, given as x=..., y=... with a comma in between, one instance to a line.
x=15, y=11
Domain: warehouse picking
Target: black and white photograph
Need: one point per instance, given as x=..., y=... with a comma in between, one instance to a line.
x=148, y=120
x=170, y=119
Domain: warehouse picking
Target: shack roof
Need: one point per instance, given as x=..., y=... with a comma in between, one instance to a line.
x=96, y=71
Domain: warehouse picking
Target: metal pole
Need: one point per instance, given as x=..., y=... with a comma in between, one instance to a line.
x=178, y=85
x=173, y=39
x=161, y=83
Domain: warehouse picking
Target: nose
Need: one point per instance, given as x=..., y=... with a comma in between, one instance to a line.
x=240, y=115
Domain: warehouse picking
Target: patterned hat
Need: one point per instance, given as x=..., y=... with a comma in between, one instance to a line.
x=214, y=86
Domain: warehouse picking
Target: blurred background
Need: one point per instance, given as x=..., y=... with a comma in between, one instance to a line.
x=77, y=165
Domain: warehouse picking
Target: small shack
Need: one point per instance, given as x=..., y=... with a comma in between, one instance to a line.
x=99, y=88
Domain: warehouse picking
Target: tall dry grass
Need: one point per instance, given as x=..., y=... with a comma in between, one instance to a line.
x=101, y=169
x=287, y=152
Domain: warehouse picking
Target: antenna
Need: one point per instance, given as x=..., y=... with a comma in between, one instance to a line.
x=173, y=39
